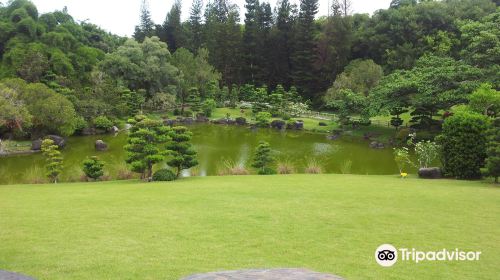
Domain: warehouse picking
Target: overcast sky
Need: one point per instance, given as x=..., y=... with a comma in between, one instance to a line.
x=121, y=16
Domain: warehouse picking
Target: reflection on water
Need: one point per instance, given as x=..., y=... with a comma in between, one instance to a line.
x=216, y=144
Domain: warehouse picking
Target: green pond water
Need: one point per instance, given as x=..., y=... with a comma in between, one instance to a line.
x=216, y=145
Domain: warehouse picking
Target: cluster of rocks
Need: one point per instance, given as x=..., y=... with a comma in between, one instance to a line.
x=96, y=131
x=336, y=134
x=377, y=145
x=36, y=145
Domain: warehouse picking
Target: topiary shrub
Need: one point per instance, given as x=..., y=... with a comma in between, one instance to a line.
x=102, y=122
x=463, y=143
x=263, y=119
x=164, y=175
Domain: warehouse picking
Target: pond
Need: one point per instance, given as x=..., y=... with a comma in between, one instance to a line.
x=216, y=145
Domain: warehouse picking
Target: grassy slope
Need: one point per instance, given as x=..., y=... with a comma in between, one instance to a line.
x=328, y=223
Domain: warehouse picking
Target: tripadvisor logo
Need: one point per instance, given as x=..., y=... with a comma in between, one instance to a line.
x=387, y=255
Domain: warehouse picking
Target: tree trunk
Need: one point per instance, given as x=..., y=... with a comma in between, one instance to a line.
x=178, y=171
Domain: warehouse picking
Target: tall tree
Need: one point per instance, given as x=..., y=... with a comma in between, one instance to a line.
x=146, y=27
x=304, y=55
x=172, y=31
x=195, y=26
x=223, y=39
x=250, y=47
x=281, y=41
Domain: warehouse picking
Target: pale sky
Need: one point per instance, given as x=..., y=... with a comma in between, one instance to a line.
x=121, y=16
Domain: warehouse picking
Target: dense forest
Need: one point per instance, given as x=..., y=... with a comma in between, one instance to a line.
x=60, y=75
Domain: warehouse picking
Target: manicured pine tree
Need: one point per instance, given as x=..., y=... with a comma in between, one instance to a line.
x=182, y=155
x=264, y=159
x=193, y=100
x=145, y=145
x=93, y=168
x=53, y=159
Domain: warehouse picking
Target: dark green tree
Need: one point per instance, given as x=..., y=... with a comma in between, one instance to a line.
x=181, y=153
x=304, y=56
x=145, y=145
x=146, y=27
x=263, y=159
x=493, y=151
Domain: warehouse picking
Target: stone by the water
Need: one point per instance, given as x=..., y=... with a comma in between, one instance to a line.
x=264, y=274
x=101, y=145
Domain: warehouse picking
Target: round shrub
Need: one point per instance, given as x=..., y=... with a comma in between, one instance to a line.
x=164, y=175
x=188, y=114
x=463, y=143
x=102, y=122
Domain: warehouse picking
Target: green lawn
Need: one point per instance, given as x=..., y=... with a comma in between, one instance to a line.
x=328, y=223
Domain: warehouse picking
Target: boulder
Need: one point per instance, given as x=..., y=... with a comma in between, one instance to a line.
x=169, y=122
x=36, y=145
x=128, y=126
x=241, y=121
x=278, y=124
x=322, y=124
x=187, y=120
x=101, y=145
x=298, y=125
x=114, y=129
x=430, y=173
x=88, y=131
x=201, y=118
x=377, y=145
x=58, y=140
x=334, y=136
x=220, y=121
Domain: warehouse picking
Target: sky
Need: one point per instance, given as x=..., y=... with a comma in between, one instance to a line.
x=121, y=16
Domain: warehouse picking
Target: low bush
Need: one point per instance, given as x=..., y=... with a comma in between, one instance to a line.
x=285, y=167
x=102, y=122
x=164, y=175
x=313, y=167
x=188, y=114
x=263, y=119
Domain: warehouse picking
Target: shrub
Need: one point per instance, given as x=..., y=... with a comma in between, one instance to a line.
x=426, y=152
x=102, y=122
x=176, y=112
x=188, y=114
x=231, y=168
x=313, y=167
x=285, y=167
x=402, y=158
x=93, y=168
x=463, y=142
x=164, y=175
x=345, y=167
x=263, y=119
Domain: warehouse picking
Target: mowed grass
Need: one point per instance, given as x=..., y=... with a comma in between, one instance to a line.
x=327, y=223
